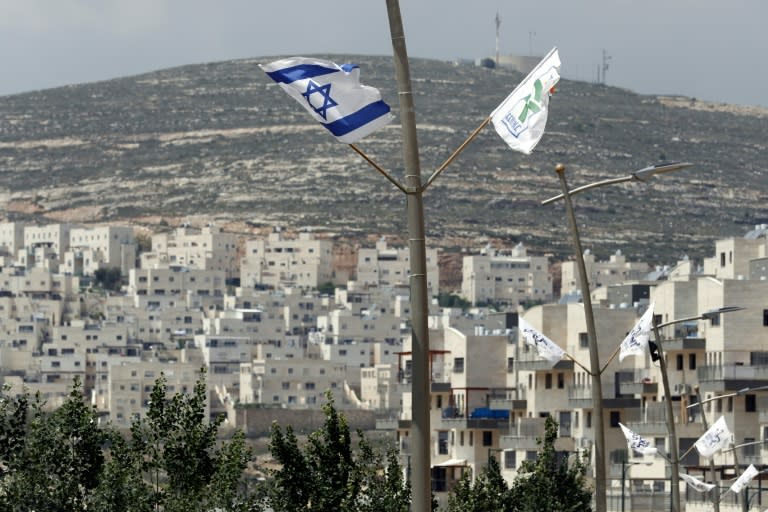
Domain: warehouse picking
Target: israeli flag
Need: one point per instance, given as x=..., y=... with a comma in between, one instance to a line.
x=714, y=439
x=544, y=346
x=333, y=95
x=636, y=341
x=637, y=443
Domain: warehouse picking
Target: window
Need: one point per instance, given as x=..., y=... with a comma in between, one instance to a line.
x=530, y=455
x=679, y=361
x=510, y=459
x=589, y=419
x=750, y=403
x=458, y=365
x=560, y=380
x=583, y=340
x=548, y=381
x=461, y=438
x=722, y=259
x=765, y=318
x=442, y=442
x=487, y=437
x=615, y=418
x=714, y=320
x=691, y=361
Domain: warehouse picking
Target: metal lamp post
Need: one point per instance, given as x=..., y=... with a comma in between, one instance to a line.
x=624, y=468
x=594, y=359
x=673, y=451
x=700, y=404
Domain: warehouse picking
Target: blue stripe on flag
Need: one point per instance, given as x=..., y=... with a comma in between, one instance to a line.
x=360, y=118
x=300, y=72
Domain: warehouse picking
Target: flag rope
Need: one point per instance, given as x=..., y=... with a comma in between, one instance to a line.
x=577, y=363
x=610, y=359
x=378, y=168
x=456, y=153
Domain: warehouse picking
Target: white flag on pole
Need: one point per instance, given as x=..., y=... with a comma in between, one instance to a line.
x=636, y=341
x=715, y=439
x=544, y=346
x=696, y=483
x=333, y=95
x=637, y=443
x=522, y=116
x=744, y=479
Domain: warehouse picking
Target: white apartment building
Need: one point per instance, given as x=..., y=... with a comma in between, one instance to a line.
x=53, y=236
x=507, y=277
x=601, y=273
x=100, y=247
x=131, y=385
x=176, y=281
x=277, y=262
x=11, y=238
x=388, y=266
x=208, y=248
x=293, y=383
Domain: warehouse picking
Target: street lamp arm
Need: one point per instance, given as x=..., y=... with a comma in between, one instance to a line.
x=639, y=175
x=591, y=186
x=735, y=393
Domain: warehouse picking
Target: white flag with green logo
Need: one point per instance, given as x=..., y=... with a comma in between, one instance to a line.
x=521, y=118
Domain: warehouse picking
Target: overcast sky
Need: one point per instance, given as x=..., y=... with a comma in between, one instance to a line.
x=709, y=49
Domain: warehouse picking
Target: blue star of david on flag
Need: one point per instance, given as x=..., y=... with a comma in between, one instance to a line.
x=352, y=112
x=325, y=92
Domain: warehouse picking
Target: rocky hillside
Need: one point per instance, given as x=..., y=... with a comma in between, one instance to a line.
x=219, y=142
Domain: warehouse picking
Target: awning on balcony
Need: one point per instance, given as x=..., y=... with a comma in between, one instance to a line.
x=451, y=463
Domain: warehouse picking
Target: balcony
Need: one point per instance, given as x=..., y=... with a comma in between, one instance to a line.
x=731, y=377
x=524, y=435
x=580, y=397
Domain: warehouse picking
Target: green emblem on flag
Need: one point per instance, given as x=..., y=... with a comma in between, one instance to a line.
x=532, y=105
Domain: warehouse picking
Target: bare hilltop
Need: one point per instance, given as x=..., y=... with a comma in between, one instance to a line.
x=220, y=142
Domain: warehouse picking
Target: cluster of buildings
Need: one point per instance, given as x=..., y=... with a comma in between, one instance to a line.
x=249, y=312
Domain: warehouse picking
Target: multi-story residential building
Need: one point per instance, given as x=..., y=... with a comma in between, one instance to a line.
x=176, y=281
x=131, y=385
x=293, y=382
x=11, y=238
x=601, y=273
x=508, y=277
x=278, y=262
x=53, y=236
x=208, y=248
x=387, y=266
x=101, y=247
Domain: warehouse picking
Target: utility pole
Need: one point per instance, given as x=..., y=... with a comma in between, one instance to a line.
x=605, y=66
x=421, y=481
x=498, y=24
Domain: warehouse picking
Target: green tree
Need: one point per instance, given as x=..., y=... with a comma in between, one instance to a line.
x=551, y=483
x=488, y=492
x=172, y=460
x=108, y=278
x=58, y=462
x=328, y=474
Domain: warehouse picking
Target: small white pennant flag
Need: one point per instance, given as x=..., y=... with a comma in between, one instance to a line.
x=715, y=439
x=333, y=95
x=696, y=483
x=522, y=116
x=744, y=479
x=638, y=443
x=544, y=346
x=636, y=341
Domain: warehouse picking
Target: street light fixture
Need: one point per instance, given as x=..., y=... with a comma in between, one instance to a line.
x=643, y=175
x=700, y=403
x=594, y=359
x=673, y=450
